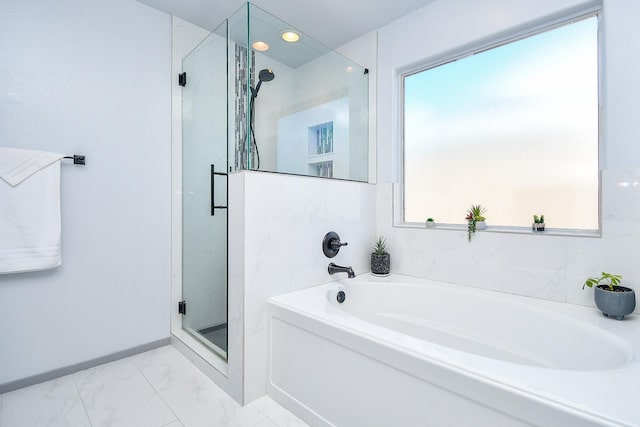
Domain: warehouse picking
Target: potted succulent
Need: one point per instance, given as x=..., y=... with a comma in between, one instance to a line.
x=475, y=219
x=430, y=223
x=611, y=298
x=538, y=223
x=380, y=258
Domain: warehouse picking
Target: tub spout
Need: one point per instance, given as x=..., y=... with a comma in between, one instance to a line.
x=333, y=268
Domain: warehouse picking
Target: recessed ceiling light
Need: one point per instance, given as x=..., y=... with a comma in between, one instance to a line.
x=290, y=36
x=260, y=46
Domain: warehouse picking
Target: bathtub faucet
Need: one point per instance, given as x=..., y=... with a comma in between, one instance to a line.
x=333, y=268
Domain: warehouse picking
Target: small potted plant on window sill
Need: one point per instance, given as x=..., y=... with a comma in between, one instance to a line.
x=380, y=258
x=538, y=223
x=430, y=223
x=611, y=298
x=475, y=219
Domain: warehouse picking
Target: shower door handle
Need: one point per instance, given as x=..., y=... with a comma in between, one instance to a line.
x=213, y=180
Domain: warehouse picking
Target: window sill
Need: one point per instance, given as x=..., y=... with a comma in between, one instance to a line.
x=506, y=230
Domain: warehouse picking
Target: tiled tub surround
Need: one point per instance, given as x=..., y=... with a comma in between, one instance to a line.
x=404, y=351
x=285, y=219
x=535, y=265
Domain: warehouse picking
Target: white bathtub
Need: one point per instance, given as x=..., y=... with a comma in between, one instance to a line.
x=407, y=352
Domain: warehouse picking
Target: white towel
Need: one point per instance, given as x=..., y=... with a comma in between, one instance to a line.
x=30, y=227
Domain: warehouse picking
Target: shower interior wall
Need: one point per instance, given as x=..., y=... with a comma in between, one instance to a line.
x=301, y=88
x=273, y=101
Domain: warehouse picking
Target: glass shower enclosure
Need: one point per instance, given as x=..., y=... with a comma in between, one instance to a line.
x=204, y=191
x=253, y=98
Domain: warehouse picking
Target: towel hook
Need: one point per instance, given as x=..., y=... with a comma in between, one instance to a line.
x=77, y=159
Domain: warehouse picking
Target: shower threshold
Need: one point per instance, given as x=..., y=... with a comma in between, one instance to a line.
x=214, y=337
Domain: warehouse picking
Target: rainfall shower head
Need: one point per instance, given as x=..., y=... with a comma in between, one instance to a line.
x=265, y=75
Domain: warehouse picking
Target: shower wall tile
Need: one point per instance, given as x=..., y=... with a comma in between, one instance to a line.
x=286, y=218
x=236, y=306
x=255, y=365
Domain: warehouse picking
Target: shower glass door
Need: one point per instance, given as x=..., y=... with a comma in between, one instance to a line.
x=204, y=191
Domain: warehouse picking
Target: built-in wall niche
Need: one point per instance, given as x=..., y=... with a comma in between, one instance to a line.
x=320, y=159
x=323, y=169
x=316, y=141
x=321, y=139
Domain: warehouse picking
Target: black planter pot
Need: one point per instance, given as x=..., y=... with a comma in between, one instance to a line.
x=537, y=226
x=617, y=303
x=380, y=264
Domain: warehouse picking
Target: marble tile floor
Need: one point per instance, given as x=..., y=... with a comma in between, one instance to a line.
x=159, y=388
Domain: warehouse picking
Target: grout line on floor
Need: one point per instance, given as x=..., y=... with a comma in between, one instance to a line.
x=84, y=407
x=157, y=392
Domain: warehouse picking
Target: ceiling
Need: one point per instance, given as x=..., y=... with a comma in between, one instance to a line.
x=332, y=22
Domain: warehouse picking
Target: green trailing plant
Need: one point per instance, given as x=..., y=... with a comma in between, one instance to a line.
x=380, y=246
x=474, y=214
x=429, y=219
x=611, y=279
x=538, y=220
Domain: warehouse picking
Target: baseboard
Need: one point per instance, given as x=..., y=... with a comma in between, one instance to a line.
x=71, y=369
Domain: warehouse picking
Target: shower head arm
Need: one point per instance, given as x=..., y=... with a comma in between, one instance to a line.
x=254, y=92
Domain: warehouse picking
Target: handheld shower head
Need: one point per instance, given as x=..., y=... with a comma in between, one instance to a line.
x=265, y=75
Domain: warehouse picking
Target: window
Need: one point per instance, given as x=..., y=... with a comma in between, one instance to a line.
x=514, y=128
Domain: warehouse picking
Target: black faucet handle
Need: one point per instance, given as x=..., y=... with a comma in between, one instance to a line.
x=331, y=244
x=335, y=244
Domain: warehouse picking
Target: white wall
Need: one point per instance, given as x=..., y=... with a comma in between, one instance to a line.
x=542, y=266
x=92, y=78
